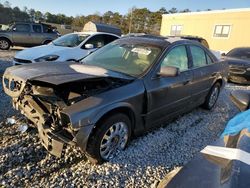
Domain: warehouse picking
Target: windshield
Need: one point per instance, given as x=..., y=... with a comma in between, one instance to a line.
x=129, y=59
x=241, y=53
x=70, y=40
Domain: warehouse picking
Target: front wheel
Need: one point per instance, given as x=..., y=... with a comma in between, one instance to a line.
x=4, y=44
x=212, y=96
x=109, y=137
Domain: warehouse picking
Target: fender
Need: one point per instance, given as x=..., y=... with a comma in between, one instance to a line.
x=6, y=36
x=50, y=39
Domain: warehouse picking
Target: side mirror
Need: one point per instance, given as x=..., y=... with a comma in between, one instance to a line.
x=89, y=46
x=169, y=71
x=13, y=29
x=223, y=54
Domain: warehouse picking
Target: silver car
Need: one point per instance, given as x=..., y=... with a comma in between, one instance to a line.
x=27, y=34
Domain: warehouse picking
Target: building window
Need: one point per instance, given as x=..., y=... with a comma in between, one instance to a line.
x=222, y=30
x=176, y=30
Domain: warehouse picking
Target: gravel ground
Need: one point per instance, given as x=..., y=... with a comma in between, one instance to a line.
x=25, y=163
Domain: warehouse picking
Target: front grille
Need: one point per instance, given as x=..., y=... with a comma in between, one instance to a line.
x=22, y=60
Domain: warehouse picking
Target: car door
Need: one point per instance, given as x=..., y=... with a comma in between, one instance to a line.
x=37, y=35
x=169, y=96
x=22, y=34
x=205, y=71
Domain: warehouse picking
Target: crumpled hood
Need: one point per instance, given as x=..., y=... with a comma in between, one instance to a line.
x=58, y=72
x=40, y=51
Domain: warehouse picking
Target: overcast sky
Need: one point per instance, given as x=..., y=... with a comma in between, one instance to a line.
x=85, y=7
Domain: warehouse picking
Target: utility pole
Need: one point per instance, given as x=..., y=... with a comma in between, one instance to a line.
x=131, y=19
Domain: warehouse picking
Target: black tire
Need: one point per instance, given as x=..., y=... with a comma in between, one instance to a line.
x=47, y=42
x=93, y=150
x=4, y=44
x=212, y=96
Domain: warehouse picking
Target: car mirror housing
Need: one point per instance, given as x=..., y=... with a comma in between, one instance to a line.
x=89, y=46
x=169, y=71
x=223, y=54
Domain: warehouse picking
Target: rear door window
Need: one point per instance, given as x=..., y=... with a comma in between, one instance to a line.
x=37, y=28
x=177, y=57
x=22, y=28
x=199, y=56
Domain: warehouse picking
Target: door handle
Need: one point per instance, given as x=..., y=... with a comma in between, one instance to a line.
x=186, y=82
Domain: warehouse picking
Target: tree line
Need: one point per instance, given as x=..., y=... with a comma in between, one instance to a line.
x=137, y=20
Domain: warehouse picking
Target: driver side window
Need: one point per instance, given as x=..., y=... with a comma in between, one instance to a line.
x=97, y=41
x=177, y=57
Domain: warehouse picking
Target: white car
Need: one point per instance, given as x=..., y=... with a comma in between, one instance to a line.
x=70, y=47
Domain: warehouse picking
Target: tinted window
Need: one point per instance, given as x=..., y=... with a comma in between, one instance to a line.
x=199, y=56
x=37, y=28
x=47, y=29
x=109, y=39
x=241, y=53
x=177, y=57
x=22, y=27
x=97, y=41
x=209, y=60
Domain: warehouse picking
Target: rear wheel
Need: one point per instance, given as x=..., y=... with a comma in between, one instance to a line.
x=4, y=44
x=212, y=96
x=110, y=136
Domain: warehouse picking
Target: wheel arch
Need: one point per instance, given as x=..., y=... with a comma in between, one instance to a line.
x=127, y=110
x=47, y=40
x=4, y=37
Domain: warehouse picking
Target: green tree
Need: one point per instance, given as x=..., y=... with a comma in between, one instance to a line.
x=173, y=10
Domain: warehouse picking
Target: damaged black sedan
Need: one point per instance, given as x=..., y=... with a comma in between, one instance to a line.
x=123, y=89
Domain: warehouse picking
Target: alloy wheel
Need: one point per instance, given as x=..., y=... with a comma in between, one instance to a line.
x=213, y=97
x=115, y=138
x=4, y=44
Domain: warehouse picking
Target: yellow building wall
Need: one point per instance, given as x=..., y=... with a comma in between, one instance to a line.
x=203, y=24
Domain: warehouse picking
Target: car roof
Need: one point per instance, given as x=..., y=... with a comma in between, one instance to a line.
x=241, y=48
x=187, y=37
x=154, y=40
x=94, y=32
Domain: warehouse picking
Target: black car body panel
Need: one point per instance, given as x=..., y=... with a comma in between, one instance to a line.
x=239, y=67
x=67, y=101
x=219, y=168
x=208, y=171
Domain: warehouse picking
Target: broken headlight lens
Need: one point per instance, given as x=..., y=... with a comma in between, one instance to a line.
x=47, y=58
